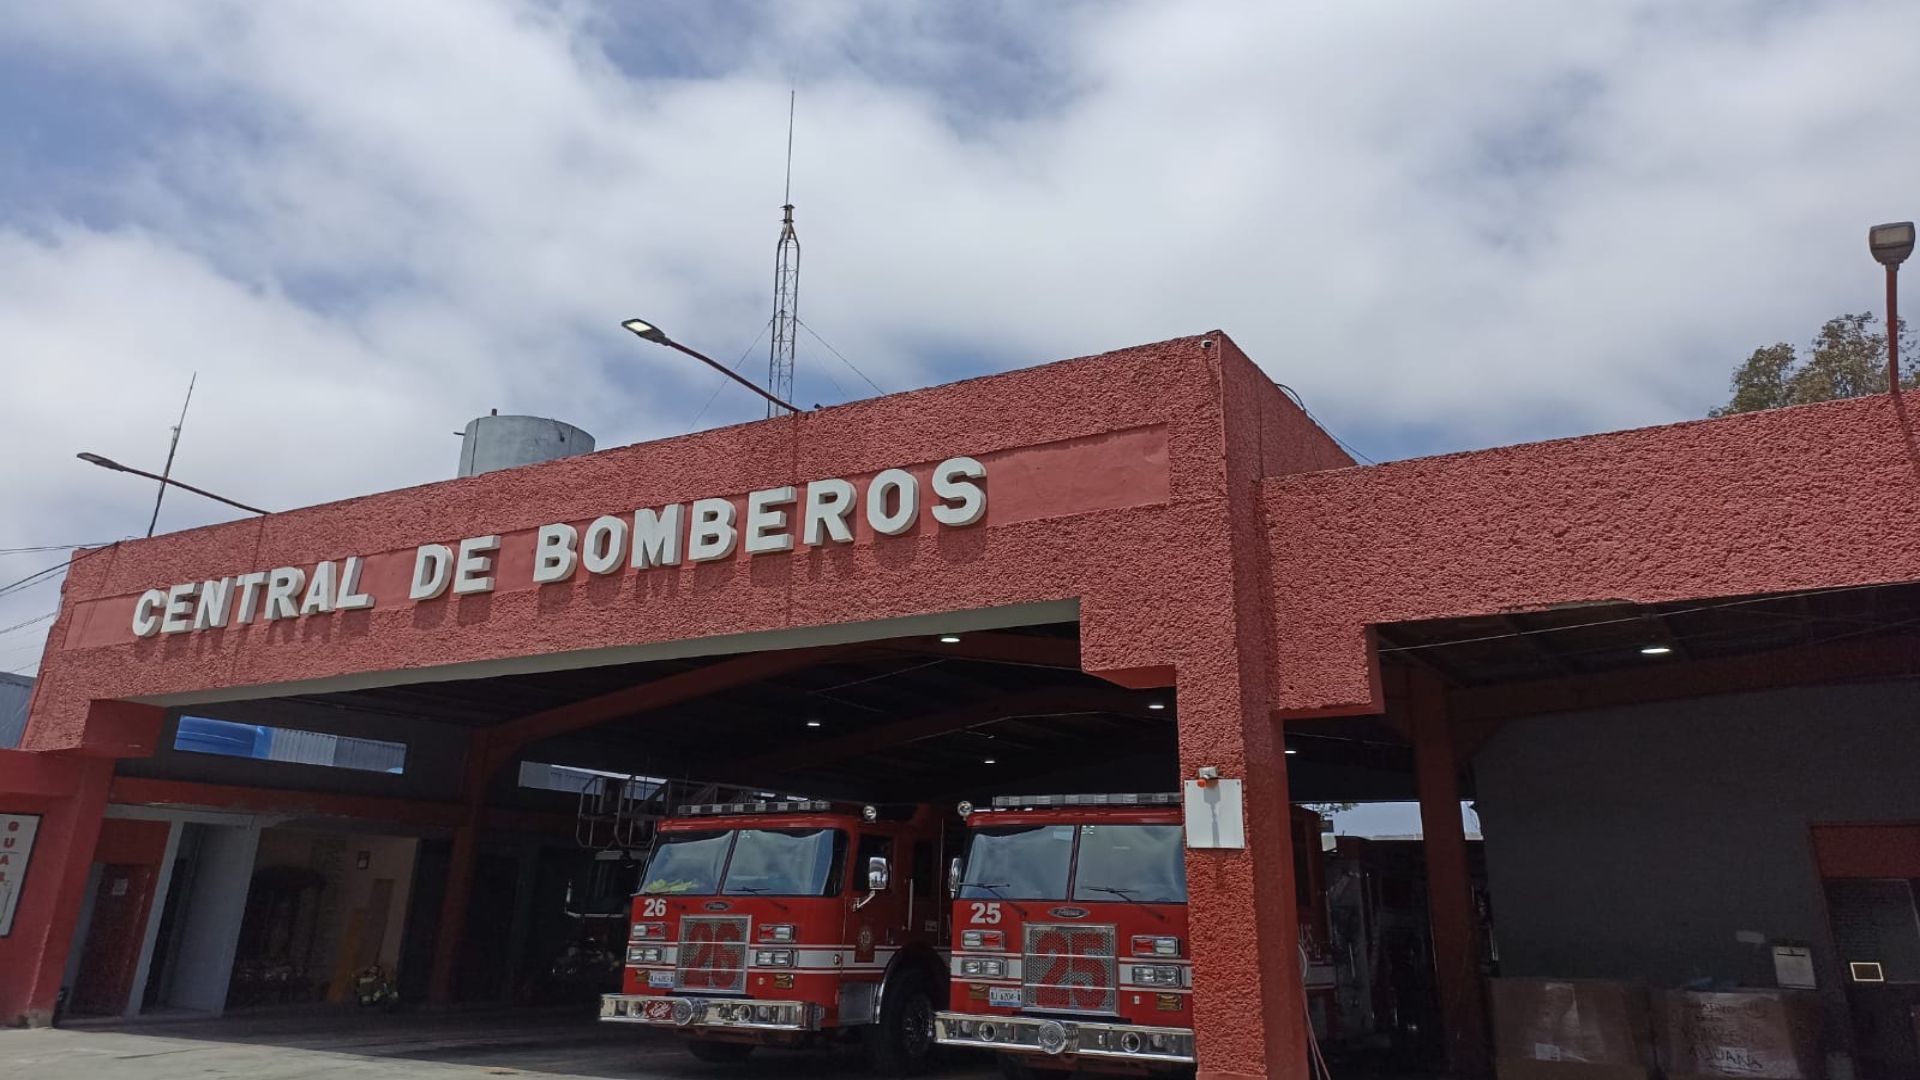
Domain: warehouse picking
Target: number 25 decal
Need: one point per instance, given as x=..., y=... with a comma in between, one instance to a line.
x=984, y=913
x=653, y=909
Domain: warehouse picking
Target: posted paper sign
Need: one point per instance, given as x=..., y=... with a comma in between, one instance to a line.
x=16, y=845
x=1215, y=817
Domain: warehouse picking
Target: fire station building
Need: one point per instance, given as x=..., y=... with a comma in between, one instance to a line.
x=1673, y=668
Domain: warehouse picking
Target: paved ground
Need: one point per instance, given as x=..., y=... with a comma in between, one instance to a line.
x=390, y=1047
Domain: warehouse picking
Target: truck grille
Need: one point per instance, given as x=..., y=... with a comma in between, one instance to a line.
x=1069, y=968
x=713, y=954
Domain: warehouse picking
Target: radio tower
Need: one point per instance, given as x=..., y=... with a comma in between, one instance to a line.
x=786, y=289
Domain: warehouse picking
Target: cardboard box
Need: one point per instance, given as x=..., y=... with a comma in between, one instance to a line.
x=1570, y=1029
x=1752, y=1034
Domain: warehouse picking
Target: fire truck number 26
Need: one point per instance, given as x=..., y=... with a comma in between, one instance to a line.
x=654, y=909
x=984, y=913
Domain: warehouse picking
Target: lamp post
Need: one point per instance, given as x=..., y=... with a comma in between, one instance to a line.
x=109, y=463
x=648, y=332
x=1891, y=244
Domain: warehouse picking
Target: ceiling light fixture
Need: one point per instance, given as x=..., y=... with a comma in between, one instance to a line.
x=1156, y=705
x=949, y=639
x=1655, y=650
x=988, y=761
x=1291, y=750
x=813, y=723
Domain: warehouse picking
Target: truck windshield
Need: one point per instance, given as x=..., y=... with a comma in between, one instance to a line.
x=1141, y=863
x=686, y=862
x=786, y=862
x=1018, y=863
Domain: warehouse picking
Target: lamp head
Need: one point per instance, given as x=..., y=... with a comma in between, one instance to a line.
x=104, y=462
x=645, y=329
x=1891, y=243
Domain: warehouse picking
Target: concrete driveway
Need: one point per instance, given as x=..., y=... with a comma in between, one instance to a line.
x=283, y=1046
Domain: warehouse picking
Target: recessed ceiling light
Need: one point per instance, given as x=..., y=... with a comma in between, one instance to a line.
x=988, y=761
x=813, y=723
x=1655, y=650
x=1156, y=704
x=1291, y=750
x=949, y=639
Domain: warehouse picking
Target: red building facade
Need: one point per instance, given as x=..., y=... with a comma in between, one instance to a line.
x=1214, y=540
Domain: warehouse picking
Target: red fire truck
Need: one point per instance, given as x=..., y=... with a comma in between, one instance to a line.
x=786, y=923
x=1070, y=933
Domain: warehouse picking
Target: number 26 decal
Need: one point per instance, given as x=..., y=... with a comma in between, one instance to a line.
x=984, y=913
x=653, y=909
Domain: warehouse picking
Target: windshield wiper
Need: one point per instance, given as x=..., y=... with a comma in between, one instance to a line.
x=1127, y=895
x=996, y=886
x=756, y=890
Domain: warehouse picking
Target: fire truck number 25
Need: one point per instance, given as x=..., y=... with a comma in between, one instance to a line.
x=984, y=913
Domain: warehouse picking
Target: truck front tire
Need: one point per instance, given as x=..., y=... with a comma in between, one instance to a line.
x=901, y=1042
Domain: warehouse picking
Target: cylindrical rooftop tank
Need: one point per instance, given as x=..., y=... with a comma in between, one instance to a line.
x=506, y=442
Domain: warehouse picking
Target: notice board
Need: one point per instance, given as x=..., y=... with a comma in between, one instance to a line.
x=16, y=847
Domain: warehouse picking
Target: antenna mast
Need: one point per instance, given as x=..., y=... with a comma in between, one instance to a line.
x=786, y=289
x=172, y=446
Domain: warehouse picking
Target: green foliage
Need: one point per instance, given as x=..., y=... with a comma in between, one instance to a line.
x=1848, y=358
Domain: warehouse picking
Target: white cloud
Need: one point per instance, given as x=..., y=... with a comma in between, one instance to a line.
x=366, y=222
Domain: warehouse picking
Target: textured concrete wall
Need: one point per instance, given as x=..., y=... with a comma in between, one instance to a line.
x=1635, y=843
x=1127, y=482
x=1811, y=497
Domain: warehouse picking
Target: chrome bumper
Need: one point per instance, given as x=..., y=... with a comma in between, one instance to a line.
x=1077, y=1038
x=735, y=1014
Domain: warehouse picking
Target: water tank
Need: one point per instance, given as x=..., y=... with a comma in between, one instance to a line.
x=506, y=442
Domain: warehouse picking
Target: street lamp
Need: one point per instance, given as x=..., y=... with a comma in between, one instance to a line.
x=1891, y=244
x=646, y=331
x=109, y=463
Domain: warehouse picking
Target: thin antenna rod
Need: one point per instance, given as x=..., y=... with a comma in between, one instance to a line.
x=786, y=291
x=787, y=195
x=167, y=472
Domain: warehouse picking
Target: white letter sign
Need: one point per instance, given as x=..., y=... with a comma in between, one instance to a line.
x=16, y=847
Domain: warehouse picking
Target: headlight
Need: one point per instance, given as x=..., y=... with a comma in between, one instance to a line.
x=648, y=931
x=644, y=954
x=776, y=932
x=1156, y=946
x=975, y=968
x=1156, y=975
x=995, y=940
x=773, y=958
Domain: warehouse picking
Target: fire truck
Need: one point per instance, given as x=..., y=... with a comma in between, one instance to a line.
x=786, y=923
x=1070, y=946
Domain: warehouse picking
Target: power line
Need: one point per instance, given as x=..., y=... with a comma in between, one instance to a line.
x=844, y=360
x=722, y=385
x=1343, y=444
x=52, y=547
x=23, y=625
x=39, y=576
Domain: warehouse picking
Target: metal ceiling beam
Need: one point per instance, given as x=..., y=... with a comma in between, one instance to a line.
x=1052, y=700
x=998, y=648
x=1895, y=655
x=505, y=741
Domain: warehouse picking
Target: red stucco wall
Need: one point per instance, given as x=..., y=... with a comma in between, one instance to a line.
x=1818, y=496
x=1127, y=481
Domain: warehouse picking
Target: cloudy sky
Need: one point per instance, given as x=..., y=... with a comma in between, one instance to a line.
x=362, y=223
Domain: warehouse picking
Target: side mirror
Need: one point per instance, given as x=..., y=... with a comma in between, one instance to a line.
x=953, y=876
x=879, y=875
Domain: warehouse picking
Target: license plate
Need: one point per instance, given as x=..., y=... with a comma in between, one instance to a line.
x=660, y=980
x=1004, y=995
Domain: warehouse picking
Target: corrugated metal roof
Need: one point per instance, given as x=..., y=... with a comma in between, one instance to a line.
x=15, y=692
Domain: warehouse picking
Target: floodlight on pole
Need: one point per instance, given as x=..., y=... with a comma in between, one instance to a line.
x=647, y=331
x=1891, y=244
x=108, y=463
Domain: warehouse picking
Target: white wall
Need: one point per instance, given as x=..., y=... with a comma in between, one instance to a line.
x=202, y=966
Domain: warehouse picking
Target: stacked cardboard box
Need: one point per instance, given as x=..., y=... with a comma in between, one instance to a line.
x=1570, y=1029
x=1756, y=1034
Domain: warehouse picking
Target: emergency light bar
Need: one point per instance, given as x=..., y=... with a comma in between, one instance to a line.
x=806, y=806
x=1035, y=802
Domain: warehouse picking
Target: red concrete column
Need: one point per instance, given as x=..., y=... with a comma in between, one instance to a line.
x=460, y=872
x=1249, y=1004
x=33, y=958
x=1456, y=953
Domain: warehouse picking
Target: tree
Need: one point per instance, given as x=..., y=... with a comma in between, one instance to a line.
x=1848, y=358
